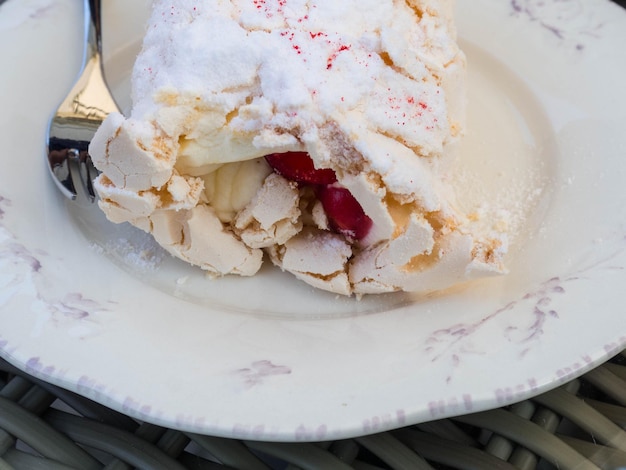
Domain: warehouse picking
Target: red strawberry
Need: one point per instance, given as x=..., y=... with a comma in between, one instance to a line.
x=298, y=166
x=345, y=214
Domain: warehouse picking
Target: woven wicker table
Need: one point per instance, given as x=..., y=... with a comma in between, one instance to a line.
x=576, y=426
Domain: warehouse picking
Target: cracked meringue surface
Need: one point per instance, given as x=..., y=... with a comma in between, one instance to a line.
x=373, y=90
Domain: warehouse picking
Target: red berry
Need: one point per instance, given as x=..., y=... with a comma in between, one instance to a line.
x=298, y=166
x=345, y=214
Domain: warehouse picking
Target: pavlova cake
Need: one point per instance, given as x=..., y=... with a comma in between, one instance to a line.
x=316, y=134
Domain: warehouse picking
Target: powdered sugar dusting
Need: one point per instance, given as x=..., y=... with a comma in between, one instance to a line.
x=139, y=252
x=311, y=60
x=506, y=209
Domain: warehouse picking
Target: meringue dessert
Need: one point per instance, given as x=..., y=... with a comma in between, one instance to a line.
x=318, y=135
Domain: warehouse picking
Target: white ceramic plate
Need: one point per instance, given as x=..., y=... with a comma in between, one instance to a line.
x=100, y=310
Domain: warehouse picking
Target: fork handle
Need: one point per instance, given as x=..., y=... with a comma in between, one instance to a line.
x=94, y=27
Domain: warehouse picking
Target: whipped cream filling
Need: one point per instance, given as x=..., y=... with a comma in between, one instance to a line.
x=372, y=89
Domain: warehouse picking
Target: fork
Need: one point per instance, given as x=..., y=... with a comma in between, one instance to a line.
x=76, y=120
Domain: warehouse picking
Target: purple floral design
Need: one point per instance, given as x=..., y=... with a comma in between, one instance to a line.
x=259, y=371
x=572, y=22
x=540, y=301
x=533, y=312
x=19, y=254
x=27, y=11
x=442, y=342
x=4, y=204
x=22, y=272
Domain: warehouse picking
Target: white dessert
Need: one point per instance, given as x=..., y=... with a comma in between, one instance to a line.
x=372, y=90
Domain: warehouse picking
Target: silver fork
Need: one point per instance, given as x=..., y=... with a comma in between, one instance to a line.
x=75, y=121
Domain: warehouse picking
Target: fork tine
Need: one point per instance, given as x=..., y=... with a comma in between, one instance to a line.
x=59, y=164
x=79, y=164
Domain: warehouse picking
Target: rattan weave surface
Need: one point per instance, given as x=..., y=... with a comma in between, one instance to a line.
x=576, y=426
